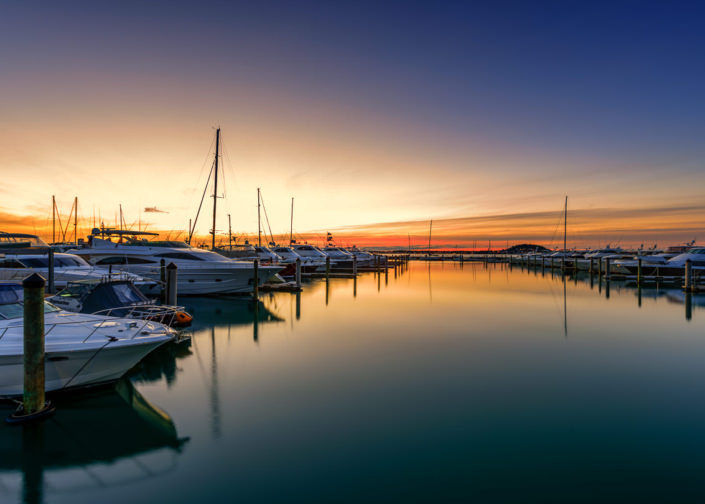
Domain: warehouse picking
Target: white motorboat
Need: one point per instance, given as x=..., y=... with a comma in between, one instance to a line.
x=339, y=258
x=81, y=350
x=312, y=255
x=67, y=268
x=674, y=267
x=363, y=258
x=199, y=271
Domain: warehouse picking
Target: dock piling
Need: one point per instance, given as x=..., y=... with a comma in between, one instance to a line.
x=327, y=267
x=255, y=287
x=298, y=273
x=171, y=281
x=688, y=275
x=355, y=266
x=34, y=405
x=638, y=275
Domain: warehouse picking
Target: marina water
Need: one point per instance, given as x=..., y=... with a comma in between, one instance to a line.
x=446, y=382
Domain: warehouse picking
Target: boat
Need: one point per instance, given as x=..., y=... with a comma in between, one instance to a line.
x=117, y=298
x=311, y=254
x=199, y=271
x=81, y=350
x=67, y=268
x=339, y=258
x=674, y=267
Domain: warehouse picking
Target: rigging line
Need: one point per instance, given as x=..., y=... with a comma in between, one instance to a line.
x=205, y=190
x=271, y=236
x=87, y=362
x=203, y=167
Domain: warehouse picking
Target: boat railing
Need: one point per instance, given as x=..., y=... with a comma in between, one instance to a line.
x=167, y=315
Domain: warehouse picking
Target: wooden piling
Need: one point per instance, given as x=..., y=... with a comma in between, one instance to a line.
x=688, y=275
x=34, y=405
x=638, y=275
x=355, y=266
x=171, y=281
x=298, y=273
x=607, y=268
x=327, y=267
x=255, y=287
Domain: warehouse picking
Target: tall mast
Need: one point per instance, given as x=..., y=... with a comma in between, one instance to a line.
x=565, y=224
x=259, y=224
x=75, y=220
x=430, y=228
x=215, y=183
x=53, y=219
x=291, y=225
x=230, y=233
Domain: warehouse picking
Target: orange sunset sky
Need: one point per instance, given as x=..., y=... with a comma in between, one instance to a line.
x=374, y=126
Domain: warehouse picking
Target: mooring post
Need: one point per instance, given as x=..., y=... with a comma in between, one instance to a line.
x=543, y=264
x=34, y=405
x=255, y=287
x=171, y=280
x=591, y=268
x=298, y=273
x=355, y=266
x=638, y=274
x=386, y=270
x=327, y=267
x=607, y=268
x=162, y=278
x=599, y=267
x=688, y=275
x=51, y=286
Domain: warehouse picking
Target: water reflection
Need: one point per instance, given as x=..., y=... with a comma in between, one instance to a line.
x=97, y=439
x=438, y=387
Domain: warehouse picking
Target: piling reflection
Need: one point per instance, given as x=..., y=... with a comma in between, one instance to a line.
x=96, y=439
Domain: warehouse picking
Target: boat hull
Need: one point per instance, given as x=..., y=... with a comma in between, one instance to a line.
x=90, y=366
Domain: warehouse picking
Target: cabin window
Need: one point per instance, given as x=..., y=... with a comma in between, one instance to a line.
x=11, y=263
x=36, y=262
x=111, y=260
x=180, y=255
x=139, y=260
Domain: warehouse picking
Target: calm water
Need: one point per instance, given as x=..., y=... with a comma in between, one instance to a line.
x=447, y=383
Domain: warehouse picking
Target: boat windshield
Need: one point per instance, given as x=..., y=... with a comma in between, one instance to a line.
x=21, y=239
x=59, y=262
x=11, y=302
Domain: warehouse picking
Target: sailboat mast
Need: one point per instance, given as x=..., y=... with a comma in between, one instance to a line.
x=215, y=184
x=291, y=225
x=230, y=233
x=565, y=224
x=430, y=228
x=75, y=221
x=259, y=221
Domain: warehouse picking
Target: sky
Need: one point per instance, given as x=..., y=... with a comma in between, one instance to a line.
x=377, y=117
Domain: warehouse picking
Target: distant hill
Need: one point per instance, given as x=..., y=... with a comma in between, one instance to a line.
x=525, y=248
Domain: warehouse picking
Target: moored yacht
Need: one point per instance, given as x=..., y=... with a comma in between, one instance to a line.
x=67, y=268
x=81, y=350
x=199, y=271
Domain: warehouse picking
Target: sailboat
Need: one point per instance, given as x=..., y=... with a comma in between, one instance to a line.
x=199, y=271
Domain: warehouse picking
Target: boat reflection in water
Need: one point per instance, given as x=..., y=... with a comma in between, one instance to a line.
x=96, y=440
x=211, y=312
